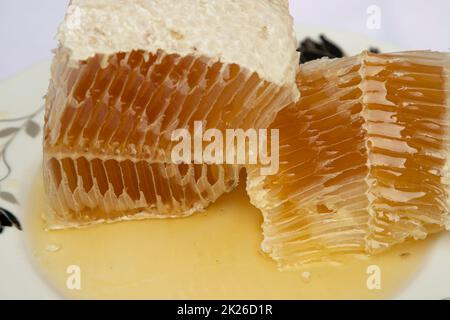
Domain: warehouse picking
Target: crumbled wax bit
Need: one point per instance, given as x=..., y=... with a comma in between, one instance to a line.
x=53, y=248
x=306, y=276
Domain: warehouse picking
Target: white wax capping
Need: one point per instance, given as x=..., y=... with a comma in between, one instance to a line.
x=256, y=34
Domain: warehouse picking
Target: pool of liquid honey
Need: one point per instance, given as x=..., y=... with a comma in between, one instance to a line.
x=211, y=255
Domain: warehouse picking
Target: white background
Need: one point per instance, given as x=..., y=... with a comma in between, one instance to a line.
x=27, y=27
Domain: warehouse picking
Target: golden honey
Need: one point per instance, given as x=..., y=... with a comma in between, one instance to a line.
x=211, y=255
x=108, y=133
x=363, y=158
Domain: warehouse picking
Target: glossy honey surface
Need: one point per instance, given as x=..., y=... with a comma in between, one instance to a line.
x=363, y=158
x=109, y=125
x=211, y=255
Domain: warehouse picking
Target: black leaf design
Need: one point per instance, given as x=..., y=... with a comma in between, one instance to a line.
x=312, y=50
x=9, y=197
x=332, y=48
x=7, y=219
x=32, y=129
x=4, y=220
x=7, y=132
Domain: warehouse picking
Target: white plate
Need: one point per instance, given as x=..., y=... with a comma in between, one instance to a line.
x=22, y=96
